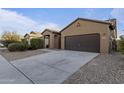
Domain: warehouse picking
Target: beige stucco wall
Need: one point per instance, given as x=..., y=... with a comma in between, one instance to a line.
x=88, y=27
x=57, y=41
x=51, y=38
x=54, y=41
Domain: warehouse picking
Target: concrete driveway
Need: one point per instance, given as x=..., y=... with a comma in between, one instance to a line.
x=53, y=67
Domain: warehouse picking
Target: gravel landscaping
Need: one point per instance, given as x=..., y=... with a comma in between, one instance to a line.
x=11, y=56
x=104, y=69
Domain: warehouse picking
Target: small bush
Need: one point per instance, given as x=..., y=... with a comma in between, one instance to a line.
x=121, y=46
x=16, y=47
x=36, y=43
x=26, y=44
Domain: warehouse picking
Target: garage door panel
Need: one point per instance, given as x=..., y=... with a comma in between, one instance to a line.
x=89, y=42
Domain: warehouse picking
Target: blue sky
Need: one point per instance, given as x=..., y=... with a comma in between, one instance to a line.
x=24, y=20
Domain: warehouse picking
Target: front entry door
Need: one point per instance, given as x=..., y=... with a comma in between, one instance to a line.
x=47, y=41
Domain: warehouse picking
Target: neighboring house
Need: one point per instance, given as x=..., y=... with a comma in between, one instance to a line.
x=26, y=36
x=83, y=35
x=33, y=35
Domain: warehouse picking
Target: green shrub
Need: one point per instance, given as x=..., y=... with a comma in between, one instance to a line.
x=121, y=46
x=26, y=44
x=16, y=47
x=36, y=43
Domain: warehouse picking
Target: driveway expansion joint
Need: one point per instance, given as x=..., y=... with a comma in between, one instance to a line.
x=55, y=67
x=22, y=73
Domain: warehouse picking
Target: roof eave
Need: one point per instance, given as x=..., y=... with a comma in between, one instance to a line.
x=50, y=31
x=98, y=21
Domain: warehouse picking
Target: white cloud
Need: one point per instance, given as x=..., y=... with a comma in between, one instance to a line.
x=49, y=25
x=13, y=21
x=118, y=13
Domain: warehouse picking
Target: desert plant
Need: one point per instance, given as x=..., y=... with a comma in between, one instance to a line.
x=36, y=43
x=10, y=37
x=16, y=47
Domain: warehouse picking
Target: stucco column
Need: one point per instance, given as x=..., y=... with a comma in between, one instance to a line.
x=52, y=41
x=62, y=42
x=104, y=43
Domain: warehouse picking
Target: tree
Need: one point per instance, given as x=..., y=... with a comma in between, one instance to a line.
x=121, y=45
x=10, y=37
x=122, y=37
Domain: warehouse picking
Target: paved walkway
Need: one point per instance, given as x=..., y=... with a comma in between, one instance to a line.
x=10, y=75
x=53, y=67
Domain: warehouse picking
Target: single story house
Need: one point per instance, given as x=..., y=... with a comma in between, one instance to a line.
x=83, y=35
x=33, y=34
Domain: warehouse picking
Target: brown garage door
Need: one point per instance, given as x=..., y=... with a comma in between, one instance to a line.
x=89, y=42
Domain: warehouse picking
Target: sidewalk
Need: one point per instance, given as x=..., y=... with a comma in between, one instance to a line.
x=10, y=75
